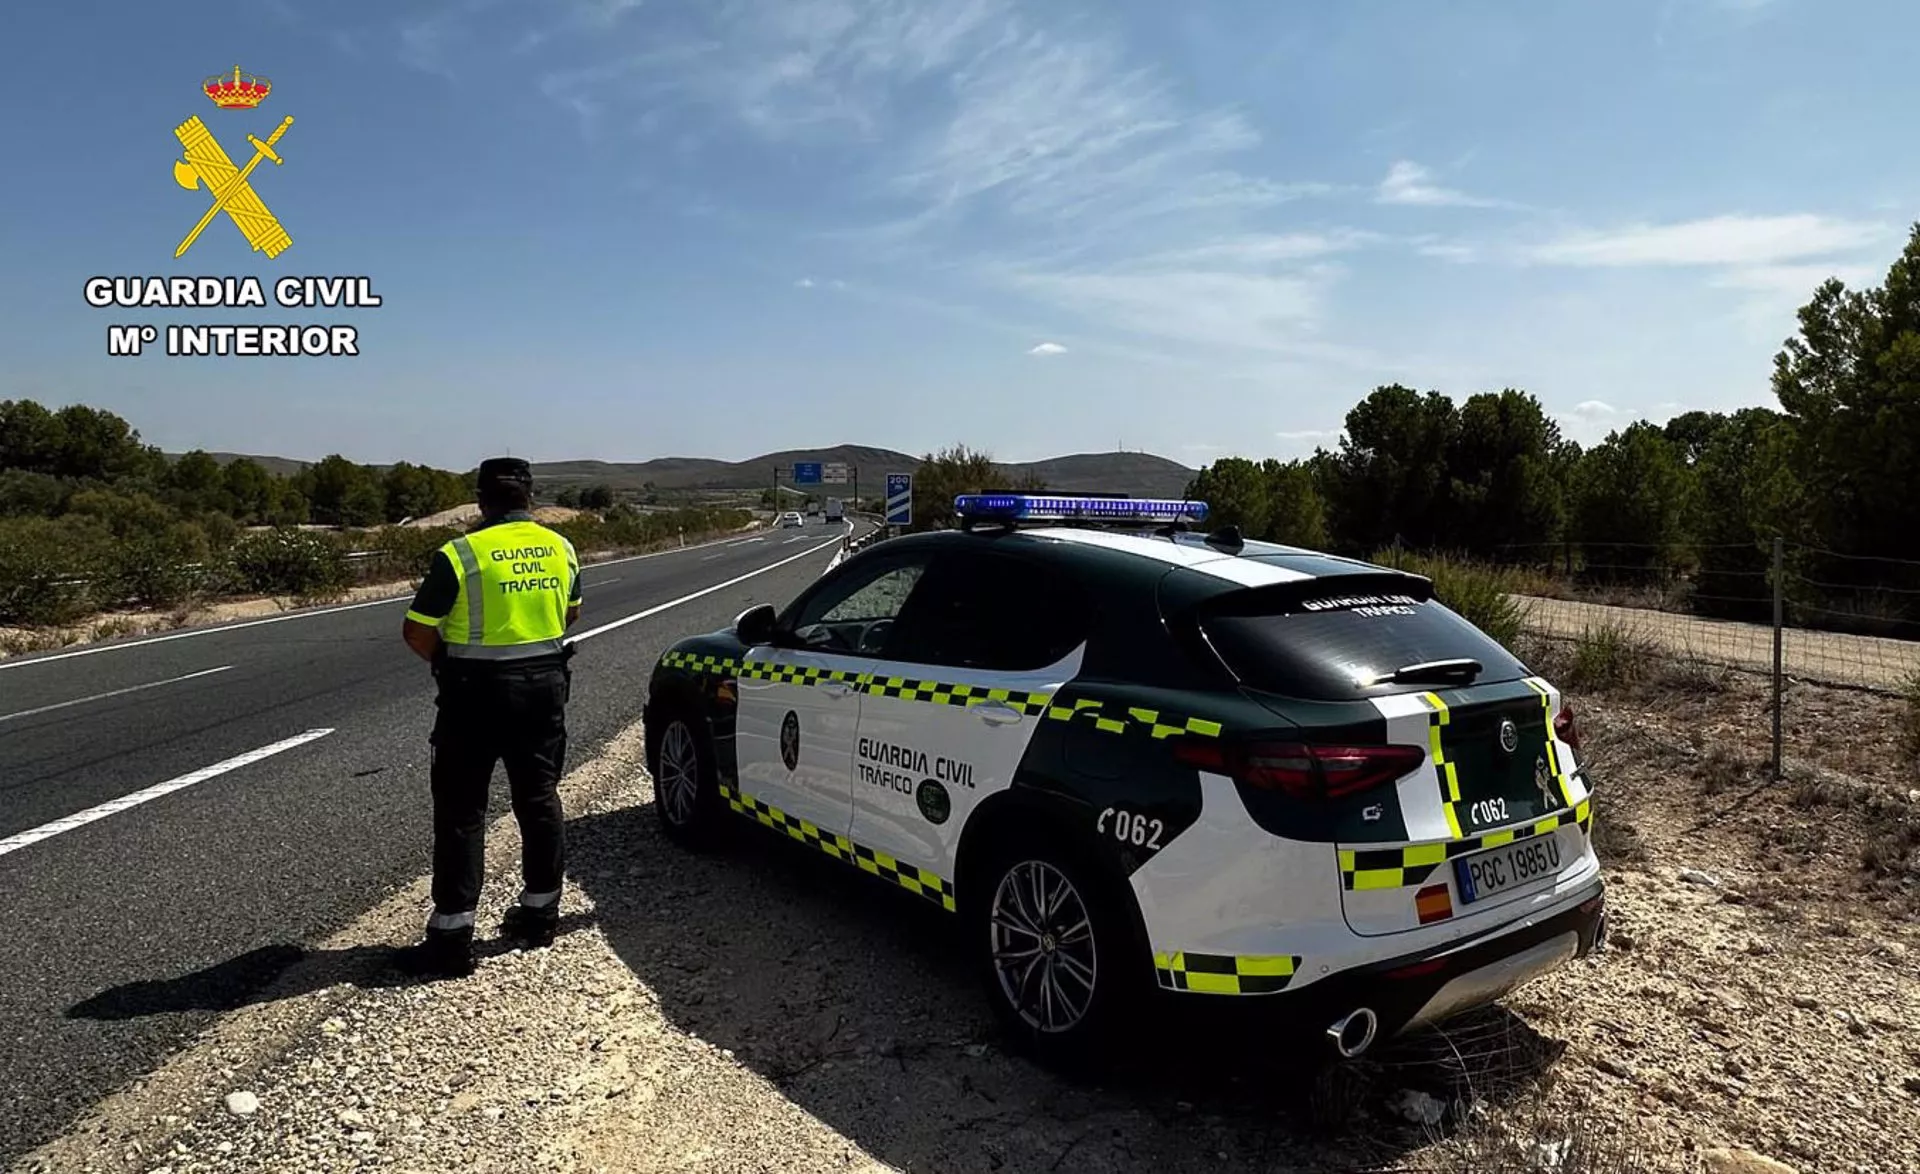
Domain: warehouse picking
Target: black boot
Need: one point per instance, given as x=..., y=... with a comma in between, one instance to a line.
x=445, y=953
x=533, y=926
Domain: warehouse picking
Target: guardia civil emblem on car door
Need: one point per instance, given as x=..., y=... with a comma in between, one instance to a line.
x=790, y=740
x=1543, y=779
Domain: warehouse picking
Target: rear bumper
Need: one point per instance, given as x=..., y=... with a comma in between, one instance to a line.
x=1415, y=989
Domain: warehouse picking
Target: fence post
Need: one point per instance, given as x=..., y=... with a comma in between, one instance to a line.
x=1779, y=614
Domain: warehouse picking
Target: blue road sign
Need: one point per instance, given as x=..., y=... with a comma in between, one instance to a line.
x=899, y=499
x=806, y=472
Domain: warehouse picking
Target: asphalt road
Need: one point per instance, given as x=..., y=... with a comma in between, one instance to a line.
x=280, y=849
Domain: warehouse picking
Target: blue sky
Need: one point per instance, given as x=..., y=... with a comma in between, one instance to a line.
x=634, y=228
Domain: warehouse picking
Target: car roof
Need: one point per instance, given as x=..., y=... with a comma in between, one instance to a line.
x=1253, y=564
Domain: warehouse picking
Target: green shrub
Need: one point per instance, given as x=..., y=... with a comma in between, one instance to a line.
x=286, y=561
x=38, y=562
x=1481, y=594
x=155, y=569
x=400, y=552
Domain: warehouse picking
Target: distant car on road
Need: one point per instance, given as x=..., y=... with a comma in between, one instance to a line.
x=791, y=519
x=1157, y=765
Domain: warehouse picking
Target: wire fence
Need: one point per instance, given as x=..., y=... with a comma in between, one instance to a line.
x=1836, y=618
x=1793, y=611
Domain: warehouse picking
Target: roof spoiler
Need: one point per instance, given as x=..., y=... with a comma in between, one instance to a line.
x=1374, y=586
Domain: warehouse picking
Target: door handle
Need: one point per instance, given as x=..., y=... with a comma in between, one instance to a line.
x=997, y=713
x=835, y=688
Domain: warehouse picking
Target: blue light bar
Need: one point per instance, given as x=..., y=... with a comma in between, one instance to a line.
x=1032, y=507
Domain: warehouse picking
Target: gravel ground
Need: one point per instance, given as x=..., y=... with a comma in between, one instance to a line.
x=760, y=1010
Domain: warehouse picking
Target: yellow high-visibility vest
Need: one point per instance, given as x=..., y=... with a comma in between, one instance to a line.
x=515, y=582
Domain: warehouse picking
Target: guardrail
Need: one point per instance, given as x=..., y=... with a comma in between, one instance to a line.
x=852, y=545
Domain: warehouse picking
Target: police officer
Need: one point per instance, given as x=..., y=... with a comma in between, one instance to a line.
x=489, y=617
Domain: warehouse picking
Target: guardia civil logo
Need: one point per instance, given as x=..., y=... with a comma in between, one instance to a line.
x=208, y=167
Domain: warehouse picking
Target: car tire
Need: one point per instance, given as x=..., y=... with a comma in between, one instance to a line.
x=1089, y=1019
x=686, y=790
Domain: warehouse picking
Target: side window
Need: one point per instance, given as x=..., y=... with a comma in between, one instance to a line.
x=855, y=613
x=988, y=611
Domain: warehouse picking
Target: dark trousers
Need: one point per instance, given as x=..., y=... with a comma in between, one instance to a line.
x=488, y=714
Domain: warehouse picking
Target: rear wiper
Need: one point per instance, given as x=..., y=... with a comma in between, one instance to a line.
x=1432, y=672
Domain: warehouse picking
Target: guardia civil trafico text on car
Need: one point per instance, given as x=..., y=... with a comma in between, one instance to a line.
x=1136, y=761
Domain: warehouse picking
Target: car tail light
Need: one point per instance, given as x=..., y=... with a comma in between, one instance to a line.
x=1563, y=727
x=1303, y=770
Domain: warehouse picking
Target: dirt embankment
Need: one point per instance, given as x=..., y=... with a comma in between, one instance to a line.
x=760, y=1010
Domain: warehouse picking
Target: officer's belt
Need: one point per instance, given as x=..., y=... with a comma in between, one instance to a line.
x=498, y=652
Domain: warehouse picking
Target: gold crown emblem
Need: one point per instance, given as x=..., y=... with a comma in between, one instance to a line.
x=238, y=91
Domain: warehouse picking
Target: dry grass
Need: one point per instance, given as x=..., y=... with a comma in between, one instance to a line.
x=1609, y=658
x=1724, y=767
x=1909, y=719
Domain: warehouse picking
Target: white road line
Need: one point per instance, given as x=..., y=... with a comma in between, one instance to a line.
x=48, y=830
x=660, y=607
x=300, y=615
x=615, y=579
x=707, y=558
x=114, y=693
x=746, y=542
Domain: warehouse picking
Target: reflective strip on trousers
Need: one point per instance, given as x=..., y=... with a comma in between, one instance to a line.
x=539, y=900
x=450, y=920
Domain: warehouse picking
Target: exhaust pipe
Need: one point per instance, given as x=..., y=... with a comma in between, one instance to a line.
x=1353, y=1033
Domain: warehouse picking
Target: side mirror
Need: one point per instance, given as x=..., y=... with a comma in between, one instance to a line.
x=755, y=626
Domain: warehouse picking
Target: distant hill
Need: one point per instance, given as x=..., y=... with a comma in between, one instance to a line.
x=1111, y=472
x=278, y=466
x=1117, y=472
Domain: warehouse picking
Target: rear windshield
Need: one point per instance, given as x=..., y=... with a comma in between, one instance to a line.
x=1324, y=647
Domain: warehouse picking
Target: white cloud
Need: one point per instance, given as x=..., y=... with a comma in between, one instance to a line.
x=1048, y=348
x=1266, y=249
x=1448, y=251
x=1595, y=410
x=1409, y=183
x=1716, y=240
x=805, y=283
x=1106, y=190
x=1310, y=434
x=1795, y=281
x=1197, y=306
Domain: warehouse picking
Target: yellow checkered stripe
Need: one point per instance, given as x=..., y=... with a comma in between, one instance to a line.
x=937, y=889
x=1553, y=755
x=1443, y=767
x=1102, y=716
x=1226, y=974
x=910, y=877
x=699, y=663
x=1113, y=720
x=787, y=674
x=939, y=693
x=1363, y=869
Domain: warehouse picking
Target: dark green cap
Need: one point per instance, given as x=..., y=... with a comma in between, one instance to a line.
x=505, y=471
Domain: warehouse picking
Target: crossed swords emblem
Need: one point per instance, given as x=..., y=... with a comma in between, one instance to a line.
x=207, y=163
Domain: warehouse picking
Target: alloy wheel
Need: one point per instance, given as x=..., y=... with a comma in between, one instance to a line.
x=678, y=786
x=1043, y=946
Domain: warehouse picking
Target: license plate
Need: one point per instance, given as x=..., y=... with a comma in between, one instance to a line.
x=1508, y=867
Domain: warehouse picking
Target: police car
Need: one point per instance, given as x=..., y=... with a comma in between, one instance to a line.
x=1137, y=761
